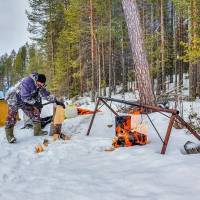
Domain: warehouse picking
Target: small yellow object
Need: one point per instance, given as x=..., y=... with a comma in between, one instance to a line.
x=4, y=112
x=39, y=148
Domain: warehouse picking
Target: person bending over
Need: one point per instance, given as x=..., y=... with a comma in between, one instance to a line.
x=26, y=95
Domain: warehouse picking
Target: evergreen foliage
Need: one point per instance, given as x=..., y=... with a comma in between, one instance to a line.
x=62, y=34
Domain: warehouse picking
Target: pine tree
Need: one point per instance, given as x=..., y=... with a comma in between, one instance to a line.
x=136, y=40
x=45, y=23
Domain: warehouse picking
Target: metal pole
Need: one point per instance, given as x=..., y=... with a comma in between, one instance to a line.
x=109, y=107
x=153, y=108
x=49, y=102
x=192, y=131
x=171, y=122
x=93, y=116
x=155, y=128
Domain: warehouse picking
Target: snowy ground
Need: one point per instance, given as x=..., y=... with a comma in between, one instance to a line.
x=80, y=169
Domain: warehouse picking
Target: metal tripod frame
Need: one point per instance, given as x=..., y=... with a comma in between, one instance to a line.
x=174, y=117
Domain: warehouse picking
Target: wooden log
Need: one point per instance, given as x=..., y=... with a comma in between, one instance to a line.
x=59, y=115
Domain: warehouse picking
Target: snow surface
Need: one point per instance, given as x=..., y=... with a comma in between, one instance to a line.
x=80, y=169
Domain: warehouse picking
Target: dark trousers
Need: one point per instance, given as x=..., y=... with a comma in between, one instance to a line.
x=32, y=112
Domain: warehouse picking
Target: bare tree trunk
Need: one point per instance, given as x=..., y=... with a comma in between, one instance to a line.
x=158, y=58
x=139, y=55
x=68, y=78
x=114, y=75
x=173, y=17
x=152, y=32
x=52, y=50
x=158, y=76
x=180, y=48
x=192, y=66
x=81, y=73
x=103, y=68
x=175, y=47
x=110, y=49
x=192, y=80
x=142, y=14
x=162, y=50
x=152, y=63
x=99, y=69
x=198, y=80
x=123, y=62
x=197, y=35
x=92, y=51
x=96, y=78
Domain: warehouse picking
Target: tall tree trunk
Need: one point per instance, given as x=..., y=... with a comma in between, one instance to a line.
x=151, y=32
x=81, y=69
x=173, y=17
x=110, y=48
x=68, y=76
x=152, y=43
x=197, y=36
x=162, y=49
x=92, y=50
x=139, y=55
x=124, y=85
x=52, y=50
x=81, y=77
x=192, y=66
x=114, y=74
x=99, y=68
x=180, y=48
x=103, y=69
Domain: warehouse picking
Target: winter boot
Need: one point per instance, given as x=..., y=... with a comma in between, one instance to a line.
x=37, y=130
x=9, y=135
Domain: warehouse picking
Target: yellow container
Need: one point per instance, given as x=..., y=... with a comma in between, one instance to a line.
x=3, y=112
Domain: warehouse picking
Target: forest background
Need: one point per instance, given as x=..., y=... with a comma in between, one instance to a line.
x=83, y=46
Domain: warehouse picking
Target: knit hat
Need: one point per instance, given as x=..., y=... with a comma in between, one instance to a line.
x=41, y=78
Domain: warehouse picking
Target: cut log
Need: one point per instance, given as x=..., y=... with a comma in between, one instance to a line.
x=59, y=115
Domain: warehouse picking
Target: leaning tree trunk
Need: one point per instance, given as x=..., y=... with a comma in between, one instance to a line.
x=139, y=55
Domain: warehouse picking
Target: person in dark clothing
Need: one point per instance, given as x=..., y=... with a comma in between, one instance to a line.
x=27, y=95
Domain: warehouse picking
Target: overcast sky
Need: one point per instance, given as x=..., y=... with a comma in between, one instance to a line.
x=13, y=25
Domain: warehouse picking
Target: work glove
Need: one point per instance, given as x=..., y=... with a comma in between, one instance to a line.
x=60, y=103
x=38, y=105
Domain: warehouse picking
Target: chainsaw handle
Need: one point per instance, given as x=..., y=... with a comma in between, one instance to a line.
x=47, y=103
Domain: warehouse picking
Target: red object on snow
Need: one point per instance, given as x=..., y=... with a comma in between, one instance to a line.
x=83, y=111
